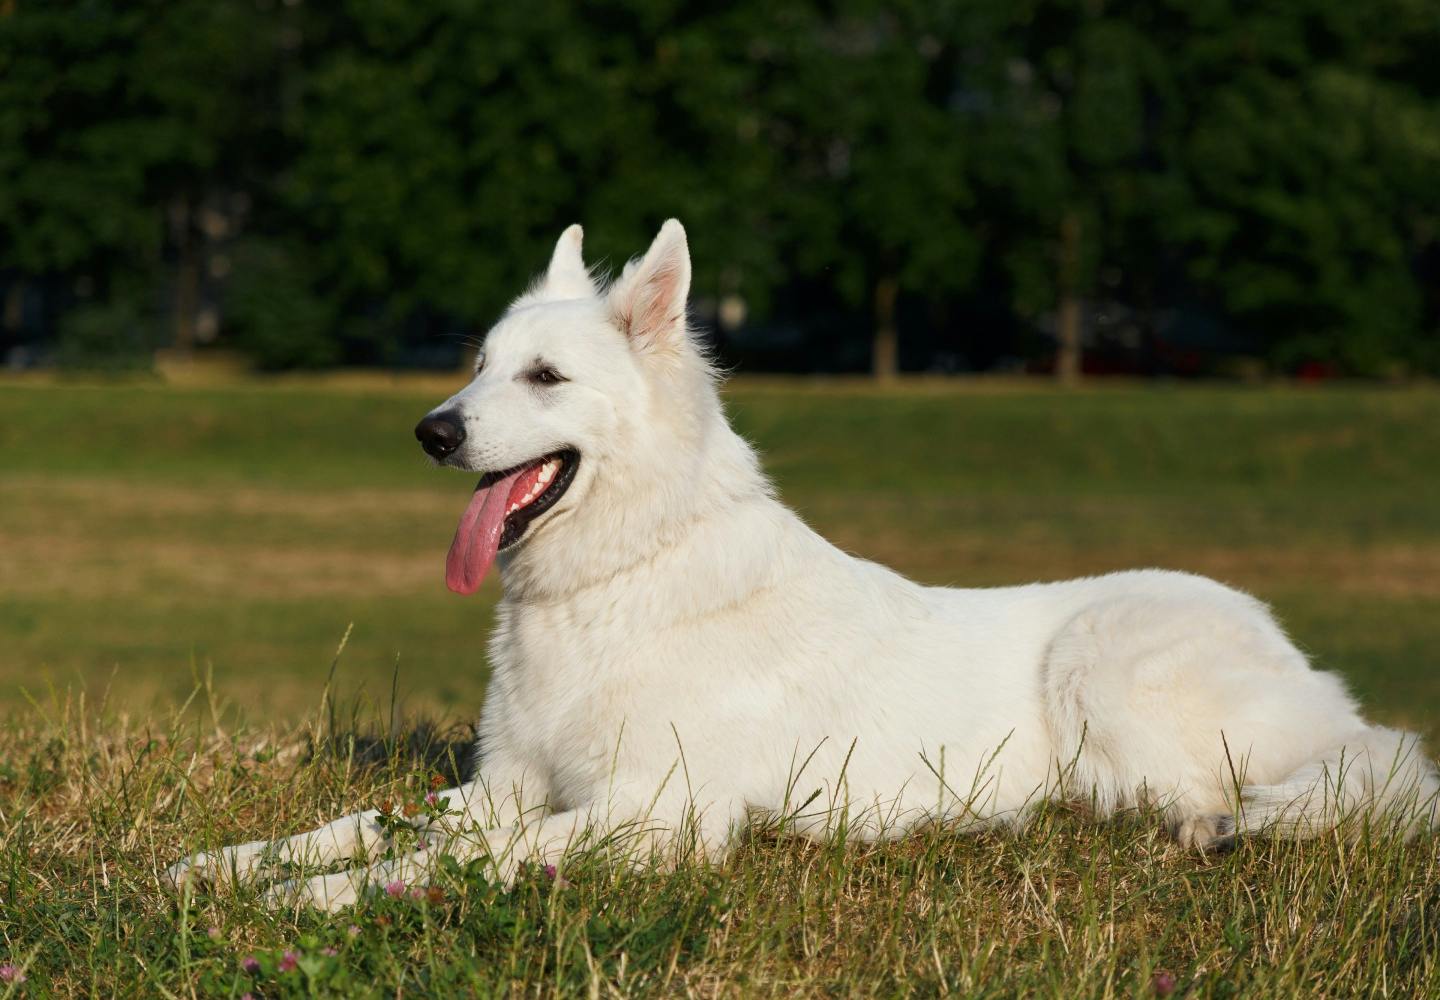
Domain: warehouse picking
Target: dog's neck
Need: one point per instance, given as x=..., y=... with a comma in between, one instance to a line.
x=635, y=519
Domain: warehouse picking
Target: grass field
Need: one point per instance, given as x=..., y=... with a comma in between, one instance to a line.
x=151, y=536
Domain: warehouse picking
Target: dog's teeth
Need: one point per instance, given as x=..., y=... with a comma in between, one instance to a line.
x=547, y=473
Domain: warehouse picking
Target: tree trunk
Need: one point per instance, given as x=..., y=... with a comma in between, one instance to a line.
x=15, y=307
x=1068, y=359
x=885, y=352
x=187, y=277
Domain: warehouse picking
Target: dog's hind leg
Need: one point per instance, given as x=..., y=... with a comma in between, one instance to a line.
x=1179, y=702
x=1205, y=833
x=1207, y=706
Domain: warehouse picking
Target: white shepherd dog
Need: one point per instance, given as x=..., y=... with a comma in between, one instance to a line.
x=676, y=651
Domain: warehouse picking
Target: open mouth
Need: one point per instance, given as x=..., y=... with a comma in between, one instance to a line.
x=501, y=509
x=538, y=486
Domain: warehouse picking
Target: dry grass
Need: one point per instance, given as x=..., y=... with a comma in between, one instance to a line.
x=92, y=806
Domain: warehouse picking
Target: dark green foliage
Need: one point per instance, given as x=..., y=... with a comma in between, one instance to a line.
x=1312, y=143
x=394, y=170
x=275, y=313
x=107, y=336
x=121, y=125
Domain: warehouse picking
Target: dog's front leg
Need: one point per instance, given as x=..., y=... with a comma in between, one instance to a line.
x=492, y=800
x=664, y=831
x=358, y=833
x=543, y=840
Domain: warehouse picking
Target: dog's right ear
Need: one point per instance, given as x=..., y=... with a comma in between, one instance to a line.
x=567, y=277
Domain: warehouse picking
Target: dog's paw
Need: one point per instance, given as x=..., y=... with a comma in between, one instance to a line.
x=195, y=872
x=230, y=866
x=1206, y=833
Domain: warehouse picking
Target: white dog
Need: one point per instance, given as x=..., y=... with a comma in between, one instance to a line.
x=676, y=651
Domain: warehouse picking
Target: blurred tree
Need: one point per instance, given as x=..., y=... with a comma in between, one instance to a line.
x=345, y=177
x=274, y=311
x=1313, y=143
x=72, y=202
x=121, y=126
x=869, y=189
x=202, y=84
x=442, y=148
x=1067, y=107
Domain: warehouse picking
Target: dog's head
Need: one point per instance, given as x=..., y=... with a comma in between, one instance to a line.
x=586, y=401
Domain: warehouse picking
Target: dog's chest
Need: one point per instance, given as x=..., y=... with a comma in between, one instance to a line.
x=571, y=677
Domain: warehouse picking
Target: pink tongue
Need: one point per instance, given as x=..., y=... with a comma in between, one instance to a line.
x=478, y=537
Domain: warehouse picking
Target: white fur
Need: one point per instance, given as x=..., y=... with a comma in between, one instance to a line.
x=677, y=652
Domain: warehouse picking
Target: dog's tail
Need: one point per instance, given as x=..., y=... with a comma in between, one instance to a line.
x=1378, y=776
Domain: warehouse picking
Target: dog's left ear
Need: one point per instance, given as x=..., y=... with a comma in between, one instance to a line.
x=567, y=277
x=648, y=300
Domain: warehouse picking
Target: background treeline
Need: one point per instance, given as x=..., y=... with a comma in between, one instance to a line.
x=1174, y=185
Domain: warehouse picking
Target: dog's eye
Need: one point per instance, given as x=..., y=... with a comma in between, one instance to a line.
x=545, y=375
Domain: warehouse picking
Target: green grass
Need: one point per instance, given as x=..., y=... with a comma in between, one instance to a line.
x=92, y=809
x=151, y=536
x=151, y=533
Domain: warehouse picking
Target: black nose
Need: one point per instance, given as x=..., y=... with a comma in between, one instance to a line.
x=440, y=435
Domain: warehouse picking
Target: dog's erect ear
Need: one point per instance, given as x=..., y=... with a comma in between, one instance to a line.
x=567, y=277
x=648, y=300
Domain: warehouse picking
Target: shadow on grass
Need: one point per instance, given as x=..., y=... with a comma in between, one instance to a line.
x=396, y=745
x=448, y=750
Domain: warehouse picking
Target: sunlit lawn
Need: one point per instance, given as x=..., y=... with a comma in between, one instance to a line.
x=150, y=537
x=149, y=534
